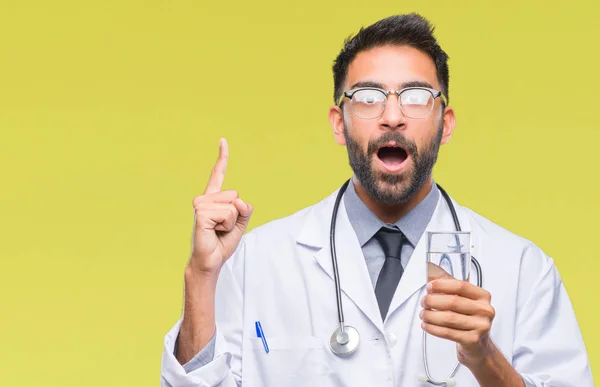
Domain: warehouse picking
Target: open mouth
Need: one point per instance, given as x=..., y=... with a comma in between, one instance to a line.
x=392, y=156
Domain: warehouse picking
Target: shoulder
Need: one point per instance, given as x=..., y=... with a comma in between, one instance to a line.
x=494, y=231
x=286, y=225
x=506, y=246
x=511, y=259
x=287, y=228
x=272, y=241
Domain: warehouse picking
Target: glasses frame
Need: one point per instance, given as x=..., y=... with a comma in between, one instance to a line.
x=350, y=93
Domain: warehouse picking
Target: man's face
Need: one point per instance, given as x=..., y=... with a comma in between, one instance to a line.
x=392, y=156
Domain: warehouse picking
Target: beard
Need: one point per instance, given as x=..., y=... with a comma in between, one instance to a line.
x=391, y=188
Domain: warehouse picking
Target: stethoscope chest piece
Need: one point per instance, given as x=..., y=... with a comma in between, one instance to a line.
x=344, y=342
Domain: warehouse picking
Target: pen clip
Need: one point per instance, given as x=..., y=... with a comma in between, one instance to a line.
x=257, y=326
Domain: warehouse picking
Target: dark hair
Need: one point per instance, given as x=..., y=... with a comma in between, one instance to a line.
x=402, y=30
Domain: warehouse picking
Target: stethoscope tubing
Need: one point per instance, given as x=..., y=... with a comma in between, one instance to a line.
x=334, y=262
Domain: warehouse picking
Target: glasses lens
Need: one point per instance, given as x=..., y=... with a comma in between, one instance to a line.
x=416, y=103
x=368, y=103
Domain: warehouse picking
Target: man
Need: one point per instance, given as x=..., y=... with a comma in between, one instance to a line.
x=260, y=309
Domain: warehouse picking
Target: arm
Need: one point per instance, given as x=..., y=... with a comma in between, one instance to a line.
x=202, y=358
x=548, y=348
x=494, y=370
x=220, y=220
x=224, y=368
x=198, y=325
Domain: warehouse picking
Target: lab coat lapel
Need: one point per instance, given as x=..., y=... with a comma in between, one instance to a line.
x=414, y=277
x=355, y=282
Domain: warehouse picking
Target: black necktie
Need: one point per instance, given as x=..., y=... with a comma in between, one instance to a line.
x=391, y=241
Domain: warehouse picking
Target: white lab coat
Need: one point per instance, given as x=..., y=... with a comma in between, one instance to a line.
x=281, y=275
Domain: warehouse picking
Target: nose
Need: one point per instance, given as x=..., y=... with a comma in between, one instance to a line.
x=392, y=117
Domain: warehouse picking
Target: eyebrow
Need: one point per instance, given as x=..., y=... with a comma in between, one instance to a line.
x=381, y=86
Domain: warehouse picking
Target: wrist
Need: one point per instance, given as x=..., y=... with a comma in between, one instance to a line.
x=197, y=278
x=479, y=357
x=199, y=290
x=492, y=369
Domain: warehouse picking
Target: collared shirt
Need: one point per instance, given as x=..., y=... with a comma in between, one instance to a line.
x=365, y=224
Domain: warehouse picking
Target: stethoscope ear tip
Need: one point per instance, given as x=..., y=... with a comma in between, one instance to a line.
x=423, y=378
x=451, y=382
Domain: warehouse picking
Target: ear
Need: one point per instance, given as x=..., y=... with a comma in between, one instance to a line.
x=449, y=124
x=336, y=119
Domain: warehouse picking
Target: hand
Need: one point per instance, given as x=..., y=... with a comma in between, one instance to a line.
x=460, y=311
x=220, y=220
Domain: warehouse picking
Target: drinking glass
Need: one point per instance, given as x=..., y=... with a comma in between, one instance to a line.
x=448, y=255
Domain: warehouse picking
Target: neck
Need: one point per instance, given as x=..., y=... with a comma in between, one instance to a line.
x=391, y=213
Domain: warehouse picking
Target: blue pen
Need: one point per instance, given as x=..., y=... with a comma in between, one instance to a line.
x=261, y=334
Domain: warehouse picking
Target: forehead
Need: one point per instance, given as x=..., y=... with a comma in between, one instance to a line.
x=392, y=66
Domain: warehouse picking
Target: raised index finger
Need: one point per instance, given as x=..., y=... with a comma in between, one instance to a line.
x=215, y=182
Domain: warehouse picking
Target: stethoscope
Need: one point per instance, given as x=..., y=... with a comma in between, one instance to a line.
x=345, y=339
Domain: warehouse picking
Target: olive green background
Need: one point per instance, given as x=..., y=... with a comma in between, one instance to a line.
x=110, y=118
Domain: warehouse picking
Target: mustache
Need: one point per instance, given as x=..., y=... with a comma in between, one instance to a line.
x=399, y=138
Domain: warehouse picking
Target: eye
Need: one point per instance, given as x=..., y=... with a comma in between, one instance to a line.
x=368, y=97
x=416, y=97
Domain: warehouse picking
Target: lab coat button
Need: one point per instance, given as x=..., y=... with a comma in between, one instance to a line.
x=392, y=340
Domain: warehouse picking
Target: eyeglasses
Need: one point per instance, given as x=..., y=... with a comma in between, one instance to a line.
x=369, y=102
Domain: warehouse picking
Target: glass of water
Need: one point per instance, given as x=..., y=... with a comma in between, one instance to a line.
x=448, y=255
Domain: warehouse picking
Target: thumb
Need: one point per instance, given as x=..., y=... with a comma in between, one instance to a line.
x=245, y=211
x=434, y=272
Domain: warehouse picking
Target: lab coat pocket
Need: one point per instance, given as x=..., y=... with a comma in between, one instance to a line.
x=291, y=361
